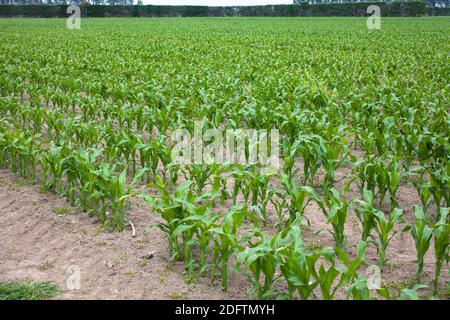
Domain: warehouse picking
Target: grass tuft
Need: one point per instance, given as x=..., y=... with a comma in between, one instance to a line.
x=27, y=290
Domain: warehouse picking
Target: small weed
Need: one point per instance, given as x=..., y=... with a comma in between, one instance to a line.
x=98, y=230
x=46, y=265
x=27, y=291
x=61, y=211
x=128, y=274
x=177, y=296
x=143, y=263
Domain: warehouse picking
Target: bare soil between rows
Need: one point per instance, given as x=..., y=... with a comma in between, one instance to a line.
x=41, y=237
x=38, y=244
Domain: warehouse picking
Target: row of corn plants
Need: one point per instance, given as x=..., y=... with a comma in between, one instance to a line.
x=91, y=118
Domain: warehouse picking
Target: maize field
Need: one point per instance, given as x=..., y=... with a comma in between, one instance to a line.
x=363, y=119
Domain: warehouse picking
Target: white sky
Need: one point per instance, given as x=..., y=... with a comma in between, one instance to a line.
x=217, y=2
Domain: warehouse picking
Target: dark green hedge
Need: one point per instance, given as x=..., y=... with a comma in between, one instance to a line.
x=303, y=9
x=439, y=11
x=42, y=11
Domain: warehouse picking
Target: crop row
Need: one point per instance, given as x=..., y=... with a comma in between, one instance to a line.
x=93, y=122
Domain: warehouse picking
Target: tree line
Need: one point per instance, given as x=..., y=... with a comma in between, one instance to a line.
x=94, y=2
x=431, y=3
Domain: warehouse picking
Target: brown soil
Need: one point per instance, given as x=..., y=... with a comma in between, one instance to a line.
x=37, y=244
x=41, y=236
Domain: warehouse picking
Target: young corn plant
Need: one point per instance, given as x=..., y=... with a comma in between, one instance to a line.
x=290, y=152
x=86, y=159
x=366, y=170
x=299, y=268
x=242, y=183
x=355, y=282
x=335, y=153
x=260, y=259
x=200, y=174
x=265, y=193
x=53, y=167
x=280, y=204
x=439, y=187
x=196, y=230
x=394, y=178
x=173, y=208
x=422, y=233
x=385, y=229
x=114, y=190
x=299, y=198
x=257, y=184
x=435, y=190
x=358, y=289
x=227, y=241
x=312, y=151
x=335, y=208
x=423, y=187
x=164, y=153
x=297, y=265
x=119, y=193
x=441, y=233
x=380, y=178
x=145, y=156
x=365, y=212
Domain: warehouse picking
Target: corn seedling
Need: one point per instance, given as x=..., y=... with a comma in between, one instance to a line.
x=441, y=232
x=385, y=229
x=421, y=233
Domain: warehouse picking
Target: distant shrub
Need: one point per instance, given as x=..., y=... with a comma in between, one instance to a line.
x=389, y=9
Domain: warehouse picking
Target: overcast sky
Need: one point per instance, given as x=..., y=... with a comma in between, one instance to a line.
x=217, y=2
